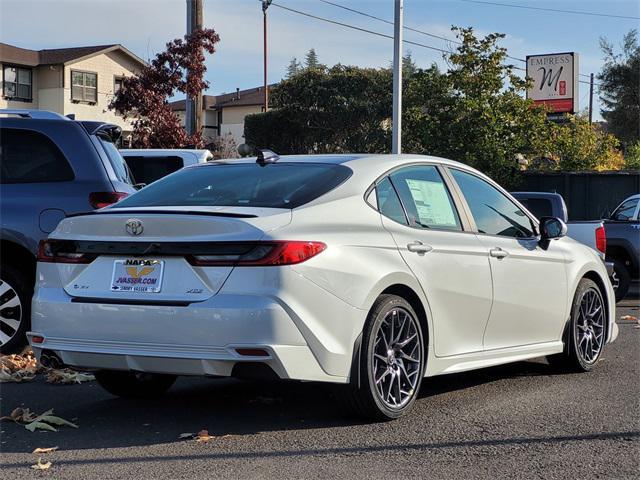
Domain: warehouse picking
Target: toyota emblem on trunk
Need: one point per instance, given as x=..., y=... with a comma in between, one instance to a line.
x=134, y=226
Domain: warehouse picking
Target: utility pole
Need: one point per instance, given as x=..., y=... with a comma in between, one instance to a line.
x=590, y=97
x=396, y=132
x=193, y=111
x=265, y=6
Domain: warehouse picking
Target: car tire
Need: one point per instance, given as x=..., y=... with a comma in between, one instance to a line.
x=134, y=384
x=16, y=290
x=587, y=330
x=620, y=280
x=390, y=365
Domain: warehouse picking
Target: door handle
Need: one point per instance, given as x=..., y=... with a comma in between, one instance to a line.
x=419, y=247
x=498, y=253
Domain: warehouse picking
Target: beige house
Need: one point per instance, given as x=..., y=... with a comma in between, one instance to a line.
x=78, y=80
x=224, y=114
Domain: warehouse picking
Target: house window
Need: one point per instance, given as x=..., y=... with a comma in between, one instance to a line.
x=17, y=83
x=117, y=84
x=84, y=86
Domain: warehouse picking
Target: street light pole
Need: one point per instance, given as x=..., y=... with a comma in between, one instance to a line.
x=396, y=132
x=265, y=6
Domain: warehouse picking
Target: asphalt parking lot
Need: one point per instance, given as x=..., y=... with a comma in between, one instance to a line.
x=516, y=421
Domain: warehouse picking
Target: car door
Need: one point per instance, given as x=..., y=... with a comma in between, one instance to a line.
x=450, y=263
x=529, y=281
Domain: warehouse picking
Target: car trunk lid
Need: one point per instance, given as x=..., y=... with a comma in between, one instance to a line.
x=141, y=255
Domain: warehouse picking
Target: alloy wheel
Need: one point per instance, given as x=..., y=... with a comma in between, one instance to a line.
x=397, y=358
x=10, y=312
x=590, y=325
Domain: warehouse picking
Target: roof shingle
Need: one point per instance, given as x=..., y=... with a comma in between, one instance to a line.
x=52, y=56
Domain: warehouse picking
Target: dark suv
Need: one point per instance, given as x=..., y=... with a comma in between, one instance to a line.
x=50, y=166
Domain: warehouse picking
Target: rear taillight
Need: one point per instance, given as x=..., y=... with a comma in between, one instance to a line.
x=104, y=199
x=601, y=239
x=263, y=254
x=61, y=251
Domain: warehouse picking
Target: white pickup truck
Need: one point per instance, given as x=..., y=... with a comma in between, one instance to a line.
x=543, y=204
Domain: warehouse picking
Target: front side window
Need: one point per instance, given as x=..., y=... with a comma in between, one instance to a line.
x=492, y=211
x=31, y=157
x=425, y=198
x=84, y=86
x=626, y=210
x=17, y=83
x=280, y=185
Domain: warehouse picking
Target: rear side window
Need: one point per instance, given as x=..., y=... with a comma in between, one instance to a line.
x=426, y=198
x=389, y=203
x=540, y=207
x=149, y=169
x=626, y=210
x=279, y=185
x=31, y=157
x=115, y=159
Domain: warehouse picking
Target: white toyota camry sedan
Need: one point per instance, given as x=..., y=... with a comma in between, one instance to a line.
x=372, y=271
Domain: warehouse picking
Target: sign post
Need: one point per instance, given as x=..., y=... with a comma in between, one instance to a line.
x=555, y=82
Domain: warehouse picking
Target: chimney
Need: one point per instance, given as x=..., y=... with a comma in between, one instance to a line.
x=237, y=93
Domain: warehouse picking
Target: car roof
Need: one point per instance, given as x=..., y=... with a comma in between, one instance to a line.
x=366, y=168
x=372, y=161
x=152, y=151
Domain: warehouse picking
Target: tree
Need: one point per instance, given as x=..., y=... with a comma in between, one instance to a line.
x=325, y=110
x=578, y=145
x=632, y=156
x=409, y=67
x=311, y=59
x=294, y=67
x=475, y=112
x=144, y=97
x=620, y=88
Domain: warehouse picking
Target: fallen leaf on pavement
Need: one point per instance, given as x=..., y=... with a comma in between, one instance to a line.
x=203, y=436
x=629, y=317
x=32, y=422
x=66, y=376
x=45, y=450
x=20, y=415
x=41, y=465
x=18, y=367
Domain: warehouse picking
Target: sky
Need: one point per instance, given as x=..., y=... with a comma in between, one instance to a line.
x=144, y=26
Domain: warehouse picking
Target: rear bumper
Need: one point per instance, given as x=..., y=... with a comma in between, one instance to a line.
x=609, y=267
x=199, y=339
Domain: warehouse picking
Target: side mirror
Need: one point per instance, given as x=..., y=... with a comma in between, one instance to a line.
x=552, y=227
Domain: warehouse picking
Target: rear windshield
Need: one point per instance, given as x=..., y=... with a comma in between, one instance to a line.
x=117, y=162
x=280, y=185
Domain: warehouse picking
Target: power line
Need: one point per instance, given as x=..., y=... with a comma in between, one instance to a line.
x=353, y=27
x=576, y=12
x=383, y=35
x=353, y=10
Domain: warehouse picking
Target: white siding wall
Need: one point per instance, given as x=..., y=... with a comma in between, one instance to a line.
x=107, y=66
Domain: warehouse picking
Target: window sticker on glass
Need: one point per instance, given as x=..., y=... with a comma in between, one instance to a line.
x=432, y=202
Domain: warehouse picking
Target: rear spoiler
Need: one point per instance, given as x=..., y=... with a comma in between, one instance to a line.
x=108, y=131
x=163, y=212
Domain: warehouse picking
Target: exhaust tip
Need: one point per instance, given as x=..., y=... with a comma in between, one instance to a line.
x=49, y=359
